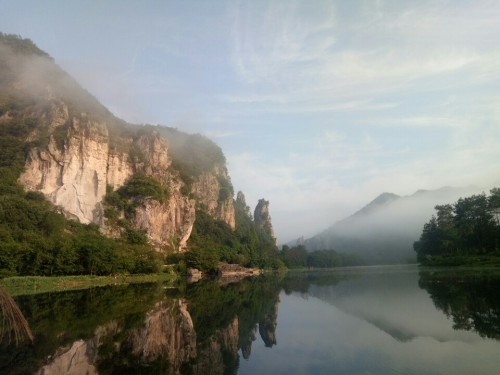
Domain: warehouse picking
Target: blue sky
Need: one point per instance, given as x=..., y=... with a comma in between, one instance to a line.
x=319, y=106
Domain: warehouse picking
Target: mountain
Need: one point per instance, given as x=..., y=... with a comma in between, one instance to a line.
x=383, y=231
x=138, y=184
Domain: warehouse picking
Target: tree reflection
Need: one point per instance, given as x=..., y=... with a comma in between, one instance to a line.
x=193, y=329
x=470, y=299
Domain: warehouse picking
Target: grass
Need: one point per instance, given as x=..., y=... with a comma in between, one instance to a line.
x=25, y=285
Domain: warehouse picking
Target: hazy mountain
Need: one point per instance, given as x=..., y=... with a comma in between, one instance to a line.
x=383, y=231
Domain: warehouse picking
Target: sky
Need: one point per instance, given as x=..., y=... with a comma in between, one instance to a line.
x=319, y=106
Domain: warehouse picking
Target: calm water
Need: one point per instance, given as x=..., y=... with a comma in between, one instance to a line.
x=389, y=320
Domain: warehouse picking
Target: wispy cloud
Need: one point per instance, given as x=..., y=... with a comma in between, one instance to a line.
x=417, y=121
x=324, y=56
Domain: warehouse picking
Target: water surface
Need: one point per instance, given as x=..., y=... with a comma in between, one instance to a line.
x=374, y=320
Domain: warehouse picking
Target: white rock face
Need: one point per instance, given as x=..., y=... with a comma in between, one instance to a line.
x=167, y=224
x=118, y=170
x=75, y=177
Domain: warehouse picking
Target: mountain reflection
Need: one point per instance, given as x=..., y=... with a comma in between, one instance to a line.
x=208, y=328
x=196, y=329
x=469, y=298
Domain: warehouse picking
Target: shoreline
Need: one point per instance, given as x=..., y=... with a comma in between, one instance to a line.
x=28, y=285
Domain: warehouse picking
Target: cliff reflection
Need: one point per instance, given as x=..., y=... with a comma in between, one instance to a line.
x=470, y=299
x=195, y=329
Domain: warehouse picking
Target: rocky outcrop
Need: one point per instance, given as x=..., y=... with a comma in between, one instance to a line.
x=241, y=204
x=213, y=192
x=263, y=219
x=231, y=273
x=169, y=224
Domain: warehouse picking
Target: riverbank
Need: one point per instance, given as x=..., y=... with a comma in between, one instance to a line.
x=25, y=285
x=461, y=261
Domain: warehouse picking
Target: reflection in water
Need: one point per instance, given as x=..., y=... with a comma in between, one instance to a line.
x=470, y=298
x=145, y=329
x=351, y=321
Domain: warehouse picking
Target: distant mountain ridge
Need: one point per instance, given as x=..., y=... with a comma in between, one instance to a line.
x=383, y=231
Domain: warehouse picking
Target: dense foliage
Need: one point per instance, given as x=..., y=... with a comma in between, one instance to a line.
x=213, y=241
x=299, y=257
x=467, y=231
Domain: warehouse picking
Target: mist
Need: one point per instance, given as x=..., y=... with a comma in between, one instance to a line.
x=384, y=231
x=36, y=77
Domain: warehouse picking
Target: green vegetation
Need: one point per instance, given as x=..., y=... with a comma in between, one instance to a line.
x=37, y=240
x=299, y=257
x=467, y=232
x=28, y=285
x=213, y=240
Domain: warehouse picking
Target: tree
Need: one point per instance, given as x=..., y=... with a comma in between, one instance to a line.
x=430, y=241
x=468, y=227
x=446, y=228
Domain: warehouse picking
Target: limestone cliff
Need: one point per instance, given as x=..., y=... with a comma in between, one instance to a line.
x=262, y=218
x=78, y=151
x=75, y=175
x=210, y=191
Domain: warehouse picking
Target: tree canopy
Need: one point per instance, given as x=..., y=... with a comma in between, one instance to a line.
x=468, y=228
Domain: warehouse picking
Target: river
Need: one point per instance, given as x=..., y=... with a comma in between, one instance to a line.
x=366, y=320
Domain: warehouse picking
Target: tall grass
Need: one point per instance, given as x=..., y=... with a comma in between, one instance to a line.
x=14, y=325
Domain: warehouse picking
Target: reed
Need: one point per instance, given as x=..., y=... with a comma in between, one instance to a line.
x=14, y=325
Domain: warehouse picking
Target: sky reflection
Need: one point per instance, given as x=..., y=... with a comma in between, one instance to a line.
x=374, y=324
